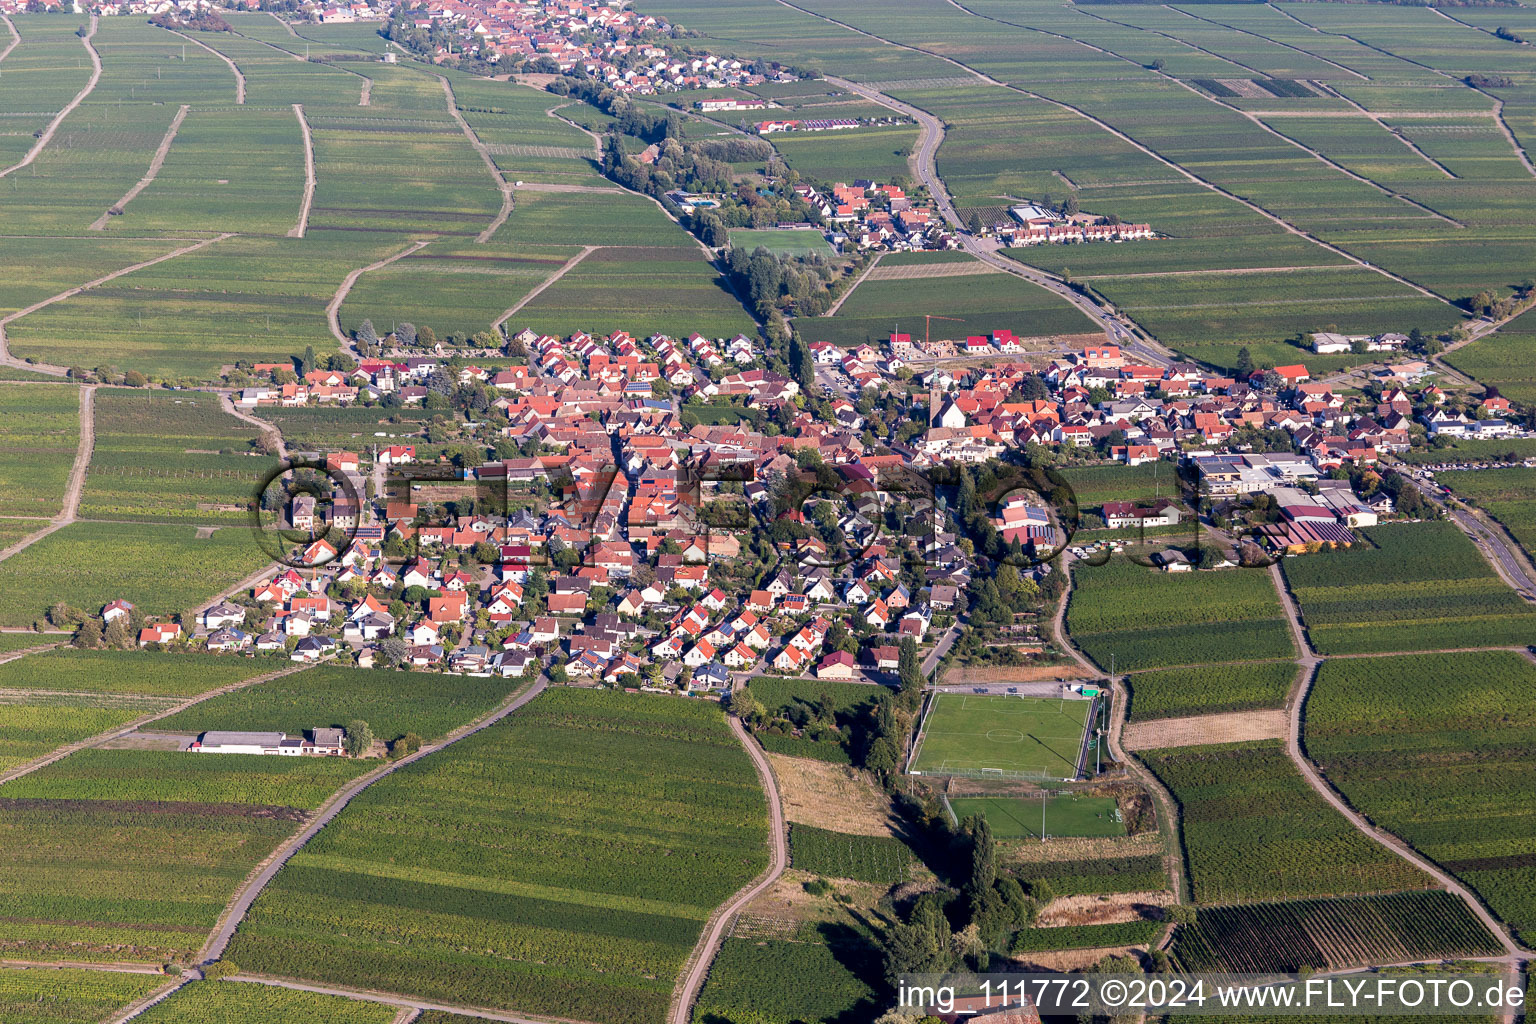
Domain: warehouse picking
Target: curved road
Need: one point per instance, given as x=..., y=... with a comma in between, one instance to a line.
x=988, y=251
x=214, y=948
x=83, y=450
x=53, y=126
x=714, y=931
x=1309, y=771
x=1167, y=808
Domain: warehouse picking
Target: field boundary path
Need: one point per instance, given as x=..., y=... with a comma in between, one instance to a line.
x=333, y=308
x=569, y=265
x=1167, y=807
x=59, y=371
x=1262, y=126
x=236, y=909
x=297, y=231
x=71, y=504
x=239, y=77
x=696, y=969
x=268, y=430
x=155, y=163
x=416, y=1006
x=490, y=163
x=922, y=159
x=53, y=126
x=832, y=309
x=113, y=733
x=15, y=36
x=1311, y=663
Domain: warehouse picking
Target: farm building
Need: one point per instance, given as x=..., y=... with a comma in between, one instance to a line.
x=320, y=743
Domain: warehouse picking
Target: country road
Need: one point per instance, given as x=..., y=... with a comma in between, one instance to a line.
x=155, y=163
x=988, y=251
x=708, y=946
x=1310, y=662
x=235, y=912
x=1167, y=807
x=53, y=126
x=59, y=371
x=116, y=731
x=299, y=228
x=71, y=505
x=333, y=308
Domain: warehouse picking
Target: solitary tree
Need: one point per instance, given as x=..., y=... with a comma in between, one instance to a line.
x=359, y=737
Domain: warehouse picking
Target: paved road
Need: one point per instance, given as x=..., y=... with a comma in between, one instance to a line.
x=214, y=948
x=1500, y=551
x=714, y=931
x=939, y=650
x=1310, y=662
x=930, y=135
x=1167, y=809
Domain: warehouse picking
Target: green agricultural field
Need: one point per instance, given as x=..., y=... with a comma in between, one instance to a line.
x=607, y=828
x=1331, y=934
x=1210, y=316
x=797, y=242
x=171, y=457
x=99, y=878
x=159, y=569
x=319, y=428
x=239, y=169
x=392, y=703
x=1505, y=360
x=778, y=982
x=1414, y=587
x=173, y=776
x=39, y=433
x=235, y=1003
x=1253, y=829
x=69, y=996
x=967, y=734
x=1509, y=495
x=877, y=859
x=34, y=269
x=1440, y=749
x=1207, y=689
x=17, y=641
x=141, y=673
x=1149, y=619
x=979, y=303
x=457, y=288
x=877, y=153
x=1063, y=815
x=258, y=299
x=1093, y=876
x=643, y=291
x=35, y=724
x=1472, y=450
x=1094, y=485
x=565, y=218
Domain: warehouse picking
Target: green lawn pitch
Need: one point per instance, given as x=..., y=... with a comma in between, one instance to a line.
x=1014, y=817
x=975, y=734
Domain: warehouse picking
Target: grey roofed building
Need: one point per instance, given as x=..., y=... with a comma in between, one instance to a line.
x=230, y=742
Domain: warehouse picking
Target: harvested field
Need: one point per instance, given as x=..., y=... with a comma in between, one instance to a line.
x=900, y=272
x=1232, y=727
x=831, y=796
x=1108, y=908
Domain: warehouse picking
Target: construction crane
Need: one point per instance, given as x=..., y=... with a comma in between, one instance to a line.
x=928, y=319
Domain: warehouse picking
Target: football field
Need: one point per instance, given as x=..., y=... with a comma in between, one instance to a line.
x=982, y=734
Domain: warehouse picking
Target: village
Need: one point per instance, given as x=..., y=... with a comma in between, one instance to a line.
x=630, y=541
